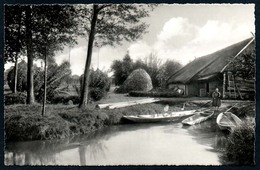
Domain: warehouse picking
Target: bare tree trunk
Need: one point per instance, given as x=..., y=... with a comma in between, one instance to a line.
x=84, y=93
x=30, y=87
x=15, y=73
x=45, y=83
x=82, y=155
x=18, y=50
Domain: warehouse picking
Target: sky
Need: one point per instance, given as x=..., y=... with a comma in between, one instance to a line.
x=177, y=32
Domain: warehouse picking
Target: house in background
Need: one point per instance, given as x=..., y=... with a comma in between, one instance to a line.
x=201, y=76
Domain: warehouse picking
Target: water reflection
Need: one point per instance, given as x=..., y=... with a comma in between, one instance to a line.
x=135, y=144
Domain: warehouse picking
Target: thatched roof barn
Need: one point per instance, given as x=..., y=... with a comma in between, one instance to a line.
x=201, y=76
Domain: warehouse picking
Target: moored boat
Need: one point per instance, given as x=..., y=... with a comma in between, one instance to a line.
x=164, y=117
x=197, y=118
x=228, y=121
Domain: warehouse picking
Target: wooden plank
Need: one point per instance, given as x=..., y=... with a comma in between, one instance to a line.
x=115, y=106
x=101, y=106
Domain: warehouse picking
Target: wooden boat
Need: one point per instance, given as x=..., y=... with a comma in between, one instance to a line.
x=164, y=117
x=197, y=118
x=228, y=121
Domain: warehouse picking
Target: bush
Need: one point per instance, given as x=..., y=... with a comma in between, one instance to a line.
x=35, y=127
x=154, y=94
x=17, y=98
x=96, y=94
x=240, y=144
x=244, y=111
x=65, y=99
x=99, y=79
x=99, y=84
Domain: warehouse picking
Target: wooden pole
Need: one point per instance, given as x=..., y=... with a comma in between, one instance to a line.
x=224, y=85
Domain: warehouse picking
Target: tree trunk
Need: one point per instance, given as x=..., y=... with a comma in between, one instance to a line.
x=45, y=83
x=30, y=87
x=84, y=93
x=18, y=49
x=15, y=74
x=82, y=155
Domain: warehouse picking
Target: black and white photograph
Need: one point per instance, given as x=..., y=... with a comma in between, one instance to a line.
x=129, y=84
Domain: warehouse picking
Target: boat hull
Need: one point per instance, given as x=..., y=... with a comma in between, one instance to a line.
x=227, y=121
x=173, y=117
x=196, y=119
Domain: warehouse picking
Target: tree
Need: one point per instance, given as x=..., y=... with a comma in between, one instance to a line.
x=122, y=69
x=56, y=75
x=110, y=25
x=56, y=28
x=244, y=65
x=166, y=70
x=46, y=29
x=152, y=66
x=28, y=41
x=13, y=36
x=21, y=82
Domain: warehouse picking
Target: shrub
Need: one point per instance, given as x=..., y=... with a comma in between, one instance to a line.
x=240, y=144
x=35, y=127
x=244, y=111
x=15, y=98
x=64, y=99
x=96, y=94
x=55, y=77
x=99, y=79
x=99, y=84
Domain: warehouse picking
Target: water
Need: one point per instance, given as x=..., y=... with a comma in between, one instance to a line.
x=132, y=144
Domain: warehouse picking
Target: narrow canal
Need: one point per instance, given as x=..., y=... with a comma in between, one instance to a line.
x=131, y=144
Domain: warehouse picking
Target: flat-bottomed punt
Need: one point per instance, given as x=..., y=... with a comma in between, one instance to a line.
x=164, y=117
x=197, y=118
x=228, y=121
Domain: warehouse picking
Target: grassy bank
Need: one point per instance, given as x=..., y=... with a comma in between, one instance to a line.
x=24, y=122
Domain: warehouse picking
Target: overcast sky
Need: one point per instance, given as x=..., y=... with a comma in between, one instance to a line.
x=178, y=32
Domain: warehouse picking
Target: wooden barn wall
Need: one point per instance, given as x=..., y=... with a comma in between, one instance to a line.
x=180, y=86
x=192, y=89
x=215, y=83
x=199, y=88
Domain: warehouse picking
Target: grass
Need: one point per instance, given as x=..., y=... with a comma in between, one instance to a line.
x=25, y=122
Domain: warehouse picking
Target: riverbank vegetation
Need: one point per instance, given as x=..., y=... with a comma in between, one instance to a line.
x=24, y=122
x=240, y=144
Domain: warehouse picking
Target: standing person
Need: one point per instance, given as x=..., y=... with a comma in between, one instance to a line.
x=216, y=102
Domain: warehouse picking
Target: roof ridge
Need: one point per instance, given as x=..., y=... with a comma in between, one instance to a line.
x=223, y=69
x=208, y=59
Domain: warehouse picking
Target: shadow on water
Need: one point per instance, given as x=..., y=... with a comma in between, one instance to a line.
x=208, y=133
x=45, y=152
